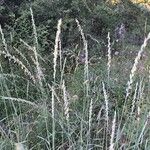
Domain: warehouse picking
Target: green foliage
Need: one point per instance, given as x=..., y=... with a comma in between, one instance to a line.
x=97, y=18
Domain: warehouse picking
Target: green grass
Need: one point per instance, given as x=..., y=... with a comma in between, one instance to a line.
x=34, y=113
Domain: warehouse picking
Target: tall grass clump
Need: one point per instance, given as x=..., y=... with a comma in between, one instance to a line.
x=56, y=52
x=89, y=108
x=39, y=73
x=88, y=102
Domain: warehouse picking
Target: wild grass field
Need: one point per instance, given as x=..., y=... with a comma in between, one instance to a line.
x=50, y=103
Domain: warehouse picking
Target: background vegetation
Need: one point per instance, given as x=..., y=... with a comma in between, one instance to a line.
x=74, y=74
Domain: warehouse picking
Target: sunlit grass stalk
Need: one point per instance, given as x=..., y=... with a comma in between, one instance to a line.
x=90, y=114
x=140, y=91
x=32, y=50
x=60, y=54
x=134, y=68
x=140, y=96
x=86, y=66
x=106, y=113
x=3, y=39
x=140, y=139
x=134, y=98
x=90, y=121
x=113, y=133
x=19, y=100
x=146, y=144
x=66, y=102
x=34, y=29
x=66, y=109
x=109, y=56
x=138, y=112
x=22, y=55
x=56, y=49
x=27, y=45
x=62, y=71
x=16, y=60
x=39, y=73
x=53, y=120
x=106, y=103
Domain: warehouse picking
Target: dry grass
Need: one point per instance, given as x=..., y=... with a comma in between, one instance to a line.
x=19, y=62
x=39, y=73
x=113, y=133
x=66, y=102
x=109, y=56
x=85, y=50
x=73, y=125
x=56, y=49
x=56, y=52
x=19, y=146
x=134, y=68
x=106, y=103
x=3, y=39
x=20, y=101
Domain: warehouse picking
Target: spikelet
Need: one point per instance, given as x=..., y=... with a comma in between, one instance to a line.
x=34, y=28
x=113, y=133
x=3, y=39
x=57, y=40
x=109, y=56
x=90, y=114
x=138, y=113
x=134, y=98
x=19, y=146
x=106, y=102
x=66, y=103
